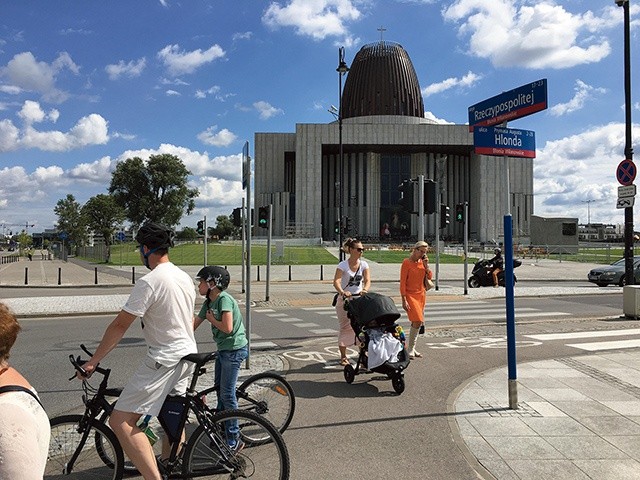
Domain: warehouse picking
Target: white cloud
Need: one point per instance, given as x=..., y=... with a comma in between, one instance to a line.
x=266, y=110
x=466, y=81
x=131, y=69
x=584, y=92
x=219, y=193
x=573, y=169
x=317, y=19
x=529, y=34
x=181, y=62
x=31, y=112
x=89, y=130
x=96, y=172
x=223, y=138
x=10, y=89
x=242, y=36
x=434, y=119
x=172, y=93
x=24, y=72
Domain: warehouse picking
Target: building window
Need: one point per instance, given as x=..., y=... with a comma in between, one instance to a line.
x=570, y=229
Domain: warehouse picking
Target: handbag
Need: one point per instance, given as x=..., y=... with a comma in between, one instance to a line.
x=428, y=284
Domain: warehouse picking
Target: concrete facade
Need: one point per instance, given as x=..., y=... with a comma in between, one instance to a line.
x=298, y=173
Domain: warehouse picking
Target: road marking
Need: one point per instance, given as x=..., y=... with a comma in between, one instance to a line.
x=591, y=334
x=263, y=310
x=306, y=325
x=596, y=346
x=290, y=319
x=324, y=331
x=263, y=345
x=276, y=315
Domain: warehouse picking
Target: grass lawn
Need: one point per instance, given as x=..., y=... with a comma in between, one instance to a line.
x=226, y=254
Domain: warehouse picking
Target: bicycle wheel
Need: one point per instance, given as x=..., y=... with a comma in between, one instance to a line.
x=210, y=458
x=270, y=395
x=68, y=440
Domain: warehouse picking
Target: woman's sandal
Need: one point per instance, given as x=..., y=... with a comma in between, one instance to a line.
x=344, y=362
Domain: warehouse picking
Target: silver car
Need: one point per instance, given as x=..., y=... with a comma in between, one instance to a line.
x=614, y=273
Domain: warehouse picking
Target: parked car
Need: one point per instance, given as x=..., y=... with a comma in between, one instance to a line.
x=614, y=274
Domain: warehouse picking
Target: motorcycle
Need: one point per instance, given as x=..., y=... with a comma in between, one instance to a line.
x=481, y=274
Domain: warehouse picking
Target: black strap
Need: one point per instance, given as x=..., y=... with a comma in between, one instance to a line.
x=18, y=388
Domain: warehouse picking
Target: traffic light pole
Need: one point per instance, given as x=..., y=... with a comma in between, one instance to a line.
x=269, y=227
x=205, y=240
x=465, y=227
x=420, y=207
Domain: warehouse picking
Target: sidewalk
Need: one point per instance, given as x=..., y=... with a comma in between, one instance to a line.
x=577, y=418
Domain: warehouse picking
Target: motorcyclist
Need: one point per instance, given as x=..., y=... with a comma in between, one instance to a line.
x=497, y=265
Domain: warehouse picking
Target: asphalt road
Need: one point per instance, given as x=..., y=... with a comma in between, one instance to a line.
x=362, y=430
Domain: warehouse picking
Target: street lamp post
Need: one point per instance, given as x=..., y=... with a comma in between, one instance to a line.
x=628, y=148
x=342, y=69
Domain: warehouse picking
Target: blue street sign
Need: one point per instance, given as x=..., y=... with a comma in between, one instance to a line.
x=121, y=236
x=498, y=141
x=626, y=172
x=516, y=103
x=63, y=235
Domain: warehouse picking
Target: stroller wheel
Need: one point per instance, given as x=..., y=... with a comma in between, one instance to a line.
x=398, y=384
x=349, y=373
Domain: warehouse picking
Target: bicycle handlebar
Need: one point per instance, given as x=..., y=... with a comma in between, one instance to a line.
x=78, y=362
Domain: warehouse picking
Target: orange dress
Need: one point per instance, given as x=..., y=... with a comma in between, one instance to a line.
x=412, y=288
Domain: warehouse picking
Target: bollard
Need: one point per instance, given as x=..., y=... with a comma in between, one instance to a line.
x=258, y=277
x=95, y=276
x=321, y=272
x=133, y=275
x=289, y=272
x=26, y=275
x=59, y=275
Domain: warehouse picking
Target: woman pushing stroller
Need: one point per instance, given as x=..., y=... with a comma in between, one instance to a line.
x=351, y=278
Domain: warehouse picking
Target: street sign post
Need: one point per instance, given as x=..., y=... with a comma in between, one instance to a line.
x=501, y=142
x=516, y=103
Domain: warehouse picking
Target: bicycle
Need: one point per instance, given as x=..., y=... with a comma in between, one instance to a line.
x=82, y=446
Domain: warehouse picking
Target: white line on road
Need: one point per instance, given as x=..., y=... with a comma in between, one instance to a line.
x=591, y=334
x=596, y=346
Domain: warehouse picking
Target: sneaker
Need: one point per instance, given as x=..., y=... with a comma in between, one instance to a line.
x=236, y=447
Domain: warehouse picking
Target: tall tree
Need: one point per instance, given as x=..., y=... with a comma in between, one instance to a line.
x=70, y=220
x=155, y=190
x=103, y=215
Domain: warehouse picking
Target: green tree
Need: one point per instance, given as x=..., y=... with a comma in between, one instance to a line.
x=155, y=190
x=25, y=240
x=104, y=216
x=70, y=220
x=224, y=227
x=187, y=233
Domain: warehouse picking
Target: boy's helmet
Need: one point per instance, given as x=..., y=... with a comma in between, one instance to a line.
x=155, y=235
x=218, y=275
x=497, y=251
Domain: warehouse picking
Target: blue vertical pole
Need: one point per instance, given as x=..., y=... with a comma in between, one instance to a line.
x=510, y=307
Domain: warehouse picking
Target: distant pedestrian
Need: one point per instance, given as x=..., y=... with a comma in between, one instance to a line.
x=413, y=272
x=352, y=278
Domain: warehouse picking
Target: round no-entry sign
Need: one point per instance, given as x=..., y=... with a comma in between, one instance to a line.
x=626, y=172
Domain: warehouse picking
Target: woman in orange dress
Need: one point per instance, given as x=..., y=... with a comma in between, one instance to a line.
x=413, y=292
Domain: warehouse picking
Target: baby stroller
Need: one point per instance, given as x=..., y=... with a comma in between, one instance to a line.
x=380, y=340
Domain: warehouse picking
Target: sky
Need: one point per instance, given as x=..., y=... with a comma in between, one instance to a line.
x=85, y=85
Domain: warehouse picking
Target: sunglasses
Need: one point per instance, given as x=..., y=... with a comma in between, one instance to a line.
x=360, y=249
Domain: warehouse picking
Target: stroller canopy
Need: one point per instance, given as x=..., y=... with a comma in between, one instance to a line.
x=372, y=310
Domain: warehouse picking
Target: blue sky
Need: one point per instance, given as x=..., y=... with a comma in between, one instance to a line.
x=84, y=85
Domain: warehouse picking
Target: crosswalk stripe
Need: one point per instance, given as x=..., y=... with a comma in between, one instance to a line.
x=596, y=346
x=590, y=334
x=263, y=345
x=324, y=331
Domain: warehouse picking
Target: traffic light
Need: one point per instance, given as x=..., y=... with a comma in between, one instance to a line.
x=430, y=196
x=445, y=217
x=347, y=225
x=237, y=217
x=460, y=212
x=200, y=227
x=263, y=217
x=336, y=228
x=406, y=196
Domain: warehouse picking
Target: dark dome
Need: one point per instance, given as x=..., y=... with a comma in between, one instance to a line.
x=382, y=81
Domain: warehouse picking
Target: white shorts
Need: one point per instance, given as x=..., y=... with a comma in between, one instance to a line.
x=150, y=385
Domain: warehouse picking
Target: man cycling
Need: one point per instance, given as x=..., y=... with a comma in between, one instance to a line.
x=164, y=300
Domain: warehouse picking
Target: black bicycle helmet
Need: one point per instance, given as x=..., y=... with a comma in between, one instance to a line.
x=497, y=251
x=218, y=275
x=155, y=235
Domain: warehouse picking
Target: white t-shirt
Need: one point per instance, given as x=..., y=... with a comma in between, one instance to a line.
x=164, y=299
x=352, y=281
x=24, y=442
